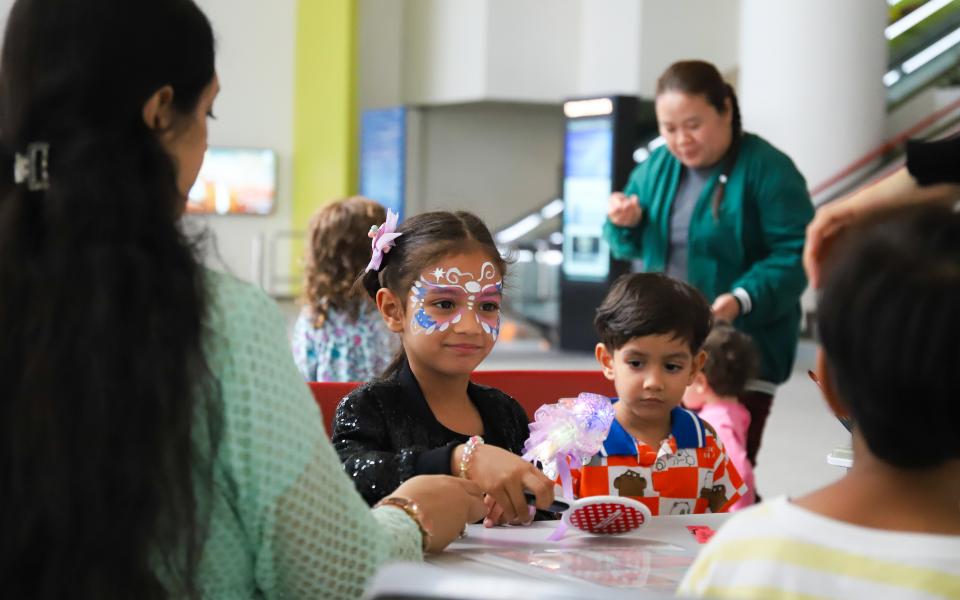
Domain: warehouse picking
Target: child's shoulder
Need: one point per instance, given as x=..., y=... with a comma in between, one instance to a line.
x=375, y=387
x=491, y=392
x=376, y=392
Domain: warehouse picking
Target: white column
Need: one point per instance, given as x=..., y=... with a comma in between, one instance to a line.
x=609, y=58
x=380, y=53
x=811, y=79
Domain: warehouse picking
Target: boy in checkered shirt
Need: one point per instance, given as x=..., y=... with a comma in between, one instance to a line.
x=651, y=330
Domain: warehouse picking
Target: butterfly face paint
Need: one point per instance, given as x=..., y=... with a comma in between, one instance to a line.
x=446, y=295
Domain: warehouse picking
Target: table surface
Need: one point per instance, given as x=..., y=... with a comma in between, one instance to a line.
x=654, y=557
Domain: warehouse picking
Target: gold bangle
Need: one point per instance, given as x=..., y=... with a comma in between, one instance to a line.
x=468, y=449
x=413, y=511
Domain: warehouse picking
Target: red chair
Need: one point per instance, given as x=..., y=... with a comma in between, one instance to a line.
x=328, y=395
x=531, y=389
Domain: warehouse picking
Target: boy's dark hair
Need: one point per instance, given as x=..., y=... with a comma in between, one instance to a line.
x=732, y=359
x=889, y=318
x=640, y=304
x=426, y=238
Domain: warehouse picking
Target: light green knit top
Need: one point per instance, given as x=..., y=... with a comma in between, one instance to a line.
x=286, y=520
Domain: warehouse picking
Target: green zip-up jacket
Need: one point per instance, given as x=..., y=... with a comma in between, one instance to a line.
x=755, y=244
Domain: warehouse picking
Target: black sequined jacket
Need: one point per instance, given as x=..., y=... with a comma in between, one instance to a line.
x=385, y=432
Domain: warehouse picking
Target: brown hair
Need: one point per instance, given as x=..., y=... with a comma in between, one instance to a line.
x=426, y=238
x=338, y=249
x=641, y=304
x=700, y=78
x=732, y=359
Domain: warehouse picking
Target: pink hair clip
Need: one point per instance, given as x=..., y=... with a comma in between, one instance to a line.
x=383, y=239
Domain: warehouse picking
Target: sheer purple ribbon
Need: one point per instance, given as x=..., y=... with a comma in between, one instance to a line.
x=564, y=465
x=564, y=433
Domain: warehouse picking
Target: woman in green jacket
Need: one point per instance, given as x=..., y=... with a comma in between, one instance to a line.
x=726, y=212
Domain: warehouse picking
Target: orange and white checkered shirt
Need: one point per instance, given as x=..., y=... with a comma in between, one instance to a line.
x=688, y=473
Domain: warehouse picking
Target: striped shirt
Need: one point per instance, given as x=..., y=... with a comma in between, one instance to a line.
x=779, y=550
x=688, y=473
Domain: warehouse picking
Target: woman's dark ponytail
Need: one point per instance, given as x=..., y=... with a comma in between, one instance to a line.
x=730, y=158
x=737, y=123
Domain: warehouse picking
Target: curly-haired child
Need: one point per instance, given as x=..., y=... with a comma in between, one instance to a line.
x=340, y=335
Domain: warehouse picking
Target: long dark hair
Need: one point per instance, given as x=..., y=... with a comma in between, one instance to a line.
x=102, y=306
x=337, y=249
x=700, y=78
x=426, y=238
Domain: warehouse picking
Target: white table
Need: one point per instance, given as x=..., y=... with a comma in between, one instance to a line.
x=653, y=558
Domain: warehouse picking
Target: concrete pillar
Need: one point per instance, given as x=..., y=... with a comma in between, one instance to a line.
x=811, y=79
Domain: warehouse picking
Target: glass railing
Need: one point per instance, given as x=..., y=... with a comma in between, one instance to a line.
x=924, y=46
x=888, y=156
x=534, y=245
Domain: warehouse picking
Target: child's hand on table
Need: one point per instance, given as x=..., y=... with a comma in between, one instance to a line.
x=496, y=517
x=504, y=476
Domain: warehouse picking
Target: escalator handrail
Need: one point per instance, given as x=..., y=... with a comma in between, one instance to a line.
x=885, y=147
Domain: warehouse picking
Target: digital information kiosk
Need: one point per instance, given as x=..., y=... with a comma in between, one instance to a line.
x=600, y=135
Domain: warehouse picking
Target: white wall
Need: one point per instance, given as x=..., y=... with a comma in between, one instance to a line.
x=255, y=63
x=496, y=160
x=444, y=53
x=609, y=57
x=684, y=29
x=531, y=49
x=5, y=6
x=380, y=52
x=455, y=51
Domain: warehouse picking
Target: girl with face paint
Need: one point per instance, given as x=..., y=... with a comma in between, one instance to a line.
x=440, y=288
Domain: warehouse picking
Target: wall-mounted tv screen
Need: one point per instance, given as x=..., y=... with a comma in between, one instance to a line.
x=235, y=181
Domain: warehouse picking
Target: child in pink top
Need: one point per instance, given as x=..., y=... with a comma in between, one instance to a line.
x=731, y=361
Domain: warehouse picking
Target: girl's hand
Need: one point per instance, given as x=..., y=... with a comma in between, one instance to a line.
x=504, y=476
x=495, y=513
x=447, y=505
x=624, y=211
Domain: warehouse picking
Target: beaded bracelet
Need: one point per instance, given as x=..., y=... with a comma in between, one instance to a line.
x=468, y=449
x=413, y=511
